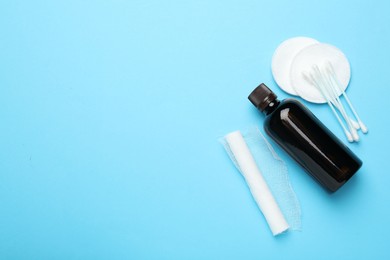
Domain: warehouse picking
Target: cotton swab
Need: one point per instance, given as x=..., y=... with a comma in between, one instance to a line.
x=330, y=70
x=338, y=105
x=335, y=97
x=310, y=78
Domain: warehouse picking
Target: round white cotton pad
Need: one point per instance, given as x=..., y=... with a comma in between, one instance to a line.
x=318, y=54
x=282, y=60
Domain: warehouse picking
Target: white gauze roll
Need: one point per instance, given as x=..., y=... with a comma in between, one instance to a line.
x=257, y=185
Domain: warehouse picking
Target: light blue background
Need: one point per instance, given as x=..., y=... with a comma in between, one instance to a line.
x=110, y=113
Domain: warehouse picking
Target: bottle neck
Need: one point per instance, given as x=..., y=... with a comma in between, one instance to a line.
x=271, y=107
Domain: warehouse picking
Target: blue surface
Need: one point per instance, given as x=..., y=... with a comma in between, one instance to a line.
x=110, y=113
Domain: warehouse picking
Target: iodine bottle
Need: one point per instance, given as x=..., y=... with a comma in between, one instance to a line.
x=306, y=139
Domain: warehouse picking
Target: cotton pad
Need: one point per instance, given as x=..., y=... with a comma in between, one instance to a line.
x=318, y=54
x=283, y=58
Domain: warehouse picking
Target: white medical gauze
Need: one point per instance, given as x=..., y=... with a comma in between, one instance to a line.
x=275, y=173
x=241, y=154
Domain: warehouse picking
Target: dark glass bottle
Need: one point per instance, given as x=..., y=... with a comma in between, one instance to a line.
x=306, y=139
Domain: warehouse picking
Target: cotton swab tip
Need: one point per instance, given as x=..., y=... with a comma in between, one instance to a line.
x=349, y=136
x=355, y=124
x=363, y=127
x=355, y=136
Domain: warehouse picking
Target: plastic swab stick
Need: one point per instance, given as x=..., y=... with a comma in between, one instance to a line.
x=309, y=78
x=334, y=78
x=257, y=185
x=313, y=81
x=334, y=94
x=335, y=99
x=314, y=78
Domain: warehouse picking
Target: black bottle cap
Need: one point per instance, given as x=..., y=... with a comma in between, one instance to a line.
x=261, y=97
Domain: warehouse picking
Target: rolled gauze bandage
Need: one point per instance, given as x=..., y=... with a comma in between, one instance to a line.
x=257, y=185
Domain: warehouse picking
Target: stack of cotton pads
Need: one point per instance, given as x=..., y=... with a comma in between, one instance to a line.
x=319, y=73
x=297, y=55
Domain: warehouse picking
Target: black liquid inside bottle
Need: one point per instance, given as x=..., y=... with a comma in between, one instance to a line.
x=306, y=139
